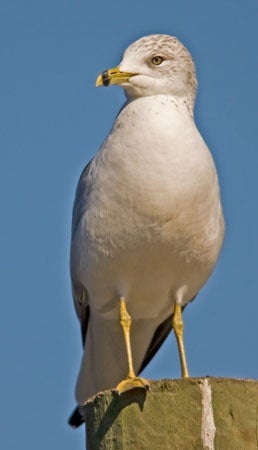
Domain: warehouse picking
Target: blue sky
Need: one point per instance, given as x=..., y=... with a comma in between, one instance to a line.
x=53, y=120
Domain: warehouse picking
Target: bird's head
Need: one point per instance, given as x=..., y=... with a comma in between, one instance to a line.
x=153, y=65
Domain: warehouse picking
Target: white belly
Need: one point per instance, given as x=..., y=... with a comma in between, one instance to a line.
x=153, y=227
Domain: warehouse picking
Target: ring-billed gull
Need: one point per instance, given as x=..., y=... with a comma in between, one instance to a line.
x=147, y=220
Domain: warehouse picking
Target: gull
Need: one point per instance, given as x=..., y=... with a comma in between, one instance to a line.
x=147, y=224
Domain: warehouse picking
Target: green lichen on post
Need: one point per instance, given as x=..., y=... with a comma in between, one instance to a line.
x=171, y=416
x=235, y=406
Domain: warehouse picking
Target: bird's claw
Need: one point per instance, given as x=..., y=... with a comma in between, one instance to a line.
x=132, y=383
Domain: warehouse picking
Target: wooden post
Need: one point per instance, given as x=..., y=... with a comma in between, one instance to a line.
x=186, y=414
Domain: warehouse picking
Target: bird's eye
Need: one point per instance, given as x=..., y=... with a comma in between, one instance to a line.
x=157, y=60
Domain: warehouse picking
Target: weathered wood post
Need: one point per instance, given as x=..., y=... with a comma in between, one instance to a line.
x=186, y=414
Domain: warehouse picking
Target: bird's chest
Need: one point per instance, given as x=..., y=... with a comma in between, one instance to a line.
x=149, y=198
x=155, y=187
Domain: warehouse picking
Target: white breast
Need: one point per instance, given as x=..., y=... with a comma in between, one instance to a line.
x=153, y=226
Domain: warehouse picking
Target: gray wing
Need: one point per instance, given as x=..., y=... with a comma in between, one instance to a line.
x=79, y=292
x=81, y=195
x=80, y=206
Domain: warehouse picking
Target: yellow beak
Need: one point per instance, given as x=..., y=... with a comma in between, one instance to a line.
x=113, y=76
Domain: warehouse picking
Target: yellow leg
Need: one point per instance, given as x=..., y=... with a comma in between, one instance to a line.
x=126, y=321
x=131, y=381
x=178, y=326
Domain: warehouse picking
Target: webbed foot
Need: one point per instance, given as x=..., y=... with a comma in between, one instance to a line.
x=131, y=383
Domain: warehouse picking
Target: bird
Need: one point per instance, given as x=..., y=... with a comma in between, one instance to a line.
x=147, y=226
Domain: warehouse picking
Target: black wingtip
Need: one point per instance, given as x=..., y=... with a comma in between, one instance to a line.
x=76, y=419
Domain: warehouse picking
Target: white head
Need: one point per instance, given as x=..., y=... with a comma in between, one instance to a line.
x=153, y=65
